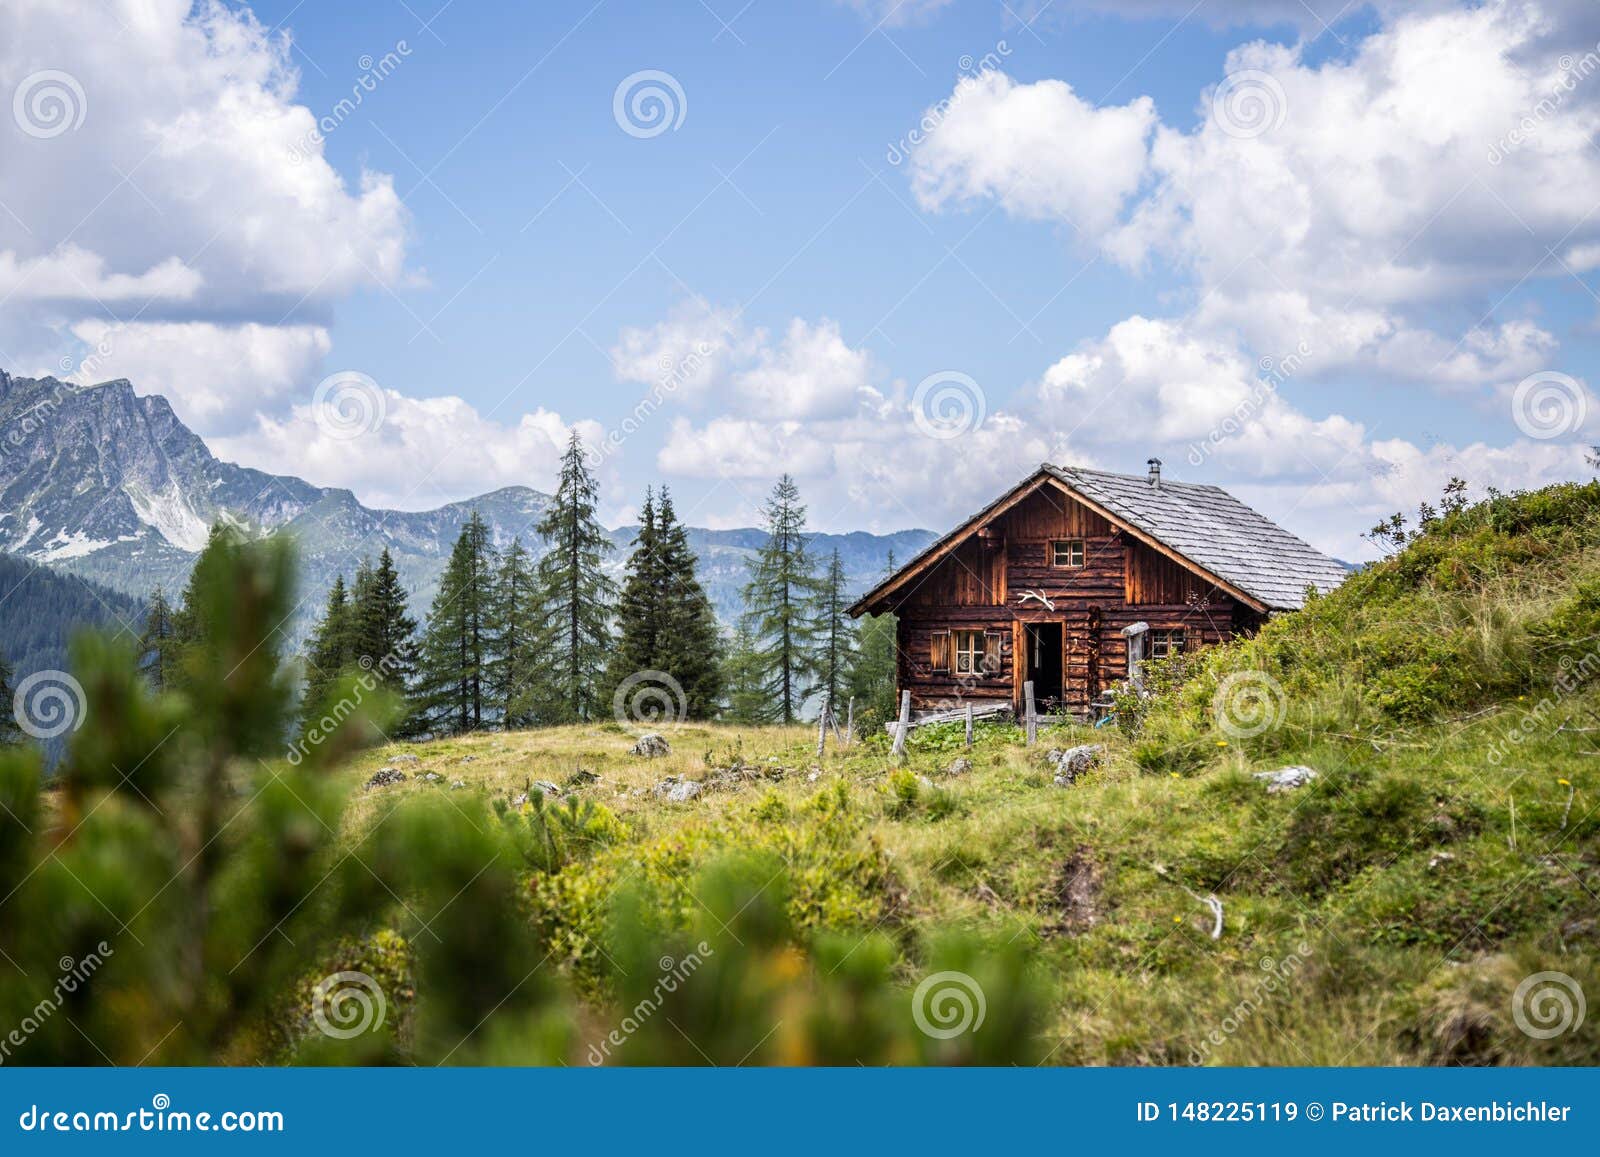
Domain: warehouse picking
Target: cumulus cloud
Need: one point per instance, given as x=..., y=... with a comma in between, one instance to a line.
x=162, y=191
x=410, y=453
x=1040, y=149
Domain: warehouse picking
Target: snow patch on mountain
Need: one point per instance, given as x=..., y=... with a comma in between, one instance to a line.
x=169, y=512
x=64, y=545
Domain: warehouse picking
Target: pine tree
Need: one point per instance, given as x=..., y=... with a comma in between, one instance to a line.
x=690, y=642
x=329, y=650
x=744, y=679
x=455, y=649
x=778, y=600
x=159, y=648
x=383, y=633
x=514, y=632
x=836, y=635
x=640, y=612
x=874, y=673
x=194, y=621
x=576, y=597
x=10, y=732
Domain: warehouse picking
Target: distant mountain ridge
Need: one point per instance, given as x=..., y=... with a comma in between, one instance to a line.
x=103, y=483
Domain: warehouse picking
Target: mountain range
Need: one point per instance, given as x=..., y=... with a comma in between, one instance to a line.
x=110, y=485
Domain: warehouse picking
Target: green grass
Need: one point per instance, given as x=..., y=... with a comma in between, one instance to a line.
x=1384, y=914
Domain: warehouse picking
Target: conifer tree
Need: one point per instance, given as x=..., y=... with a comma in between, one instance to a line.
x=383, y=633
x=9, y=731
x=576, y=597
x=779, y=602
x=159, y=648
x=690, y=642
x=329, y=650
x=836, y=635
x=640, y=612
x=514, y=635
x=455, y=649
x=194, y=621
x=744, y=679
x=874, y=671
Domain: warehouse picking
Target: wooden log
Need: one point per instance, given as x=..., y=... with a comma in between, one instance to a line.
x=1032, y=712
x=969, y=725
x=904, y=729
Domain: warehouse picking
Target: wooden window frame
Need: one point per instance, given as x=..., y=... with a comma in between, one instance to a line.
x=1165, y=642
x=974, y=653
x=941, y=644
x=1082, y=551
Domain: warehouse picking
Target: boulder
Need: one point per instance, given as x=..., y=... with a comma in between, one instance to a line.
x=959, y=767
x=652, y=745
x=1072, y=762
x=546, y=787
x=407, y=758
x=675, y=790
x=1286, y=778
x=430, y=777
x=386, y=777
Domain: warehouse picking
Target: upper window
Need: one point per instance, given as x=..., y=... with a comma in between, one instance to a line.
x=969, y=652
x=1066, y=552
x=1166, y=643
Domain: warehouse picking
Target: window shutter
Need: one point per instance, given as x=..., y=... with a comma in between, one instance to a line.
x=991, y=652
x=941, y=651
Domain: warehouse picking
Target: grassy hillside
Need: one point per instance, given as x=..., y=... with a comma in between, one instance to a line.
x=1385, y=913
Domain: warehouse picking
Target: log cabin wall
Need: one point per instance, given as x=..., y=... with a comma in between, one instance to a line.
x=1000, y=580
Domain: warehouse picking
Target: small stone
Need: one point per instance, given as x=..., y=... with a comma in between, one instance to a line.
x=675, y=790
x=457, y=784
x=652, y=745
x=1440, y=858
x=1286, y=778
x=546, y=787
x=468, y=758
x=1073, y=762
x=386, y=777
x=581, y=776
x=959, y=767
x=430, y=777
x=407, y=757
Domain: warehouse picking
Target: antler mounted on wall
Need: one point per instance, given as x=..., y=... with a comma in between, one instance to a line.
x=1036, y=596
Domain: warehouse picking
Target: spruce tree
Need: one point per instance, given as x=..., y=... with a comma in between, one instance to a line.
x=576, y=597
x=329, y=650
x=10, y=732
x=836, y=635
x=640, y=612
x=159, y=648
x=744, y=680
x=779, y=601
x=455, y=649
x=691, y=638
x=514, y=631
x=874, y=672
x=383, y=633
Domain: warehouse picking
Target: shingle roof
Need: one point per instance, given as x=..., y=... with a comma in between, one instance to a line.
x=1204, y=524
x=1211, y=527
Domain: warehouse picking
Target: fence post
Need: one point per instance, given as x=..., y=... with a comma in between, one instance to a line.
x=904, y=728
x=969, y=724
x=1033, y=716
x=850, y=723
x=822, y=727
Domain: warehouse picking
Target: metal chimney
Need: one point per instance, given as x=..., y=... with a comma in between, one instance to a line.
x=1155, y=472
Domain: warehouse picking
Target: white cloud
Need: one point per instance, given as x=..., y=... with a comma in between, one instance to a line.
x=1039, y=149
x=217, y=377
x=71, y=273
x=423, y=452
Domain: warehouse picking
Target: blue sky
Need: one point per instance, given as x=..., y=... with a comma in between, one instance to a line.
x=1105, y=268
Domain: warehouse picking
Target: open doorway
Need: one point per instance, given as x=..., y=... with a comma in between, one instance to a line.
x=1044, y=665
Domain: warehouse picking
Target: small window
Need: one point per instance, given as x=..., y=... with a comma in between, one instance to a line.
x=969, y=652
x=1066, y=552
x=1166, y=643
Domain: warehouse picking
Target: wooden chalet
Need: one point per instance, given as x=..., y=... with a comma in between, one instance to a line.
x=1069, y=573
